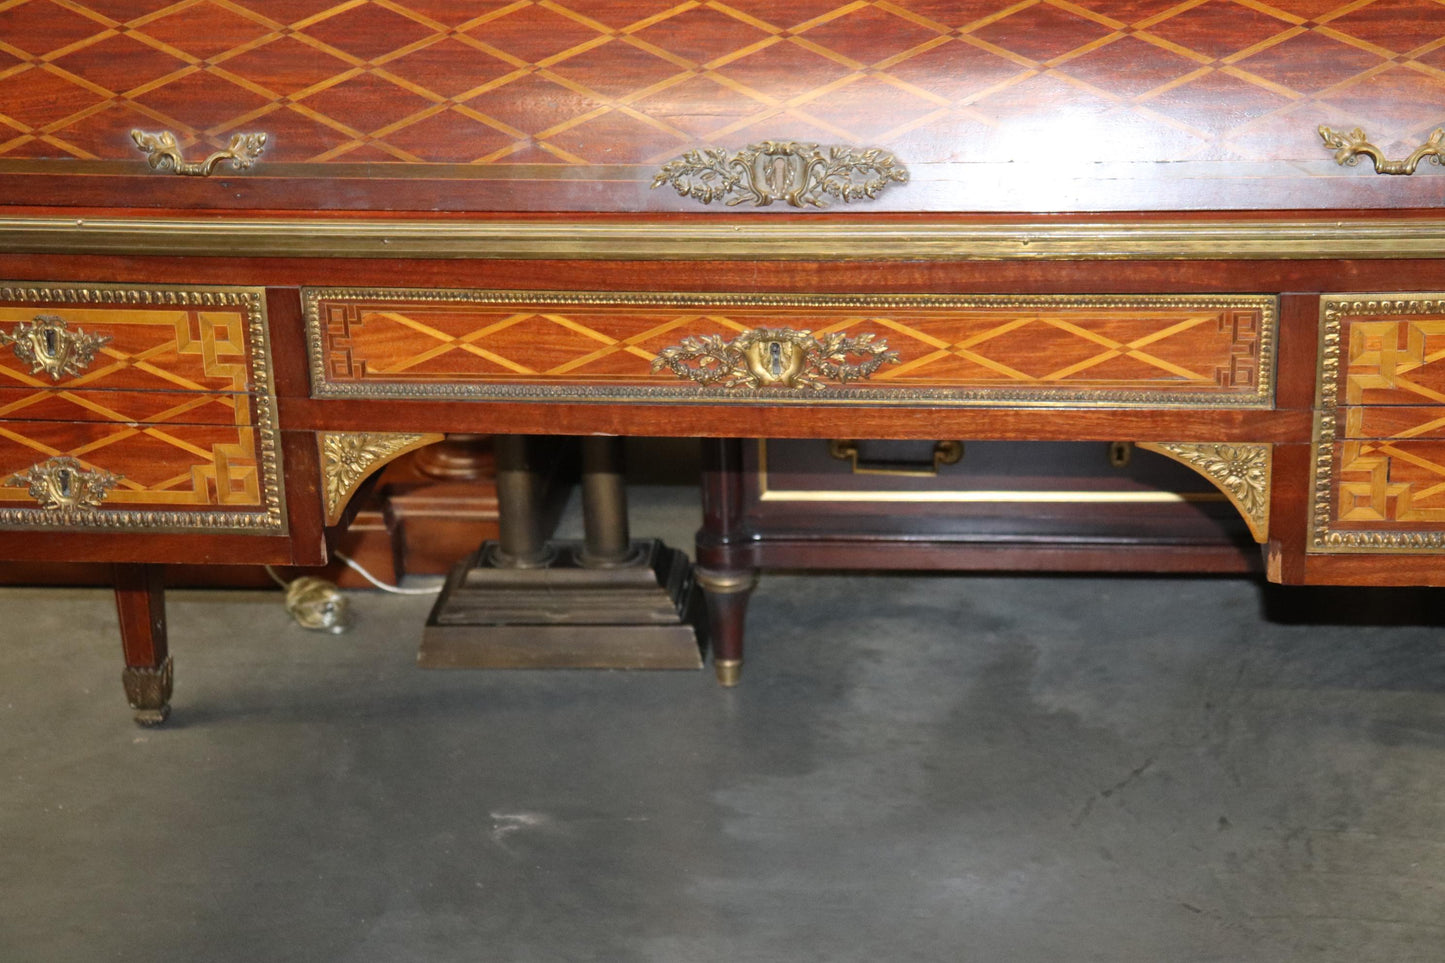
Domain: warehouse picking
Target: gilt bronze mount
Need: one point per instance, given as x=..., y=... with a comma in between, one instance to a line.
x=775, y=358
x=48, y=344
x=799, y=175
x=163, y=152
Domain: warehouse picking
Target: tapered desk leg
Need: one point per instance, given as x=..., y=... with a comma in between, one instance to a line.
x=726, y=568
x=727, y=595
x=608, y=602
x=140, y=603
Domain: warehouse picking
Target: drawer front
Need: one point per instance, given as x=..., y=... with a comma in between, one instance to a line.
x=141, y=477
x=1380, y=425
x=1197, y=351
x=116, y=352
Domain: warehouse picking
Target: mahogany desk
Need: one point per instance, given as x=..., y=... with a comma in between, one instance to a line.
x=252, y=252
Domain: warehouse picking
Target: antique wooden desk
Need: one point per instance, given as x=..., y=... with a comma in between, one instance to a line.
x=252, y=251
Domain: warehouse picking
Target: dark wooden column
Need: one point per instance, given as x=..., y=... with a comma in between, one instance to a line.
x=724, y=569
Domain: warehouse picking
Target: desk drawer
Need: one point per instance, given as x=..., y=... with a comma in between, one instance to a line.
x=1379, y=481
x=177, y=343
x=1134, y=351
x=146, y=477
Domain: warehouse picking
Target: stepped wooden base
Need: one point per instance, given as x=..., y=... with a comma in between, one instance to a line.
x=565, y=615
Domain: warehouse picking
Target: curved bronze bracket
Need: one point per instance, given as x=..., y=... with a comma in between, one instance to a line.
x=1241, y=471
x=348, y=458
x=1349, y=148
x=163, y=152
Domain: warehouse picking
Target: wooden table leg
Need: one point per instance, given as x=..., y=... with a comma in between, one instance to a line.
x=726, y=570
x=141, y=605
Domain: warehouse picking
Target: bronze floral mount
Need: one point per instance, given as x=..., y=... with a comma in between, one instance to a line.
x=800, y=175
x=775, y=358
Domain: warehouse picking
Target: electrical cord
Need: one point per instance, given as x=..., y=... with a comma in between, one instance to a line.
x=355, y=566
x=315, y=603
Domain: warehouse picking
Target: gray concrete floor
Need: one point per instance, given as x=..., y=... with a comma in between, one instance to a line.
x=915, y=768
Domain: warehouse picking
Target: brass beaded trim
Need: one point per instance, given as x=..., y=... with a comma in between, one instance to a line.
x=1323, y=538
x=272, y=519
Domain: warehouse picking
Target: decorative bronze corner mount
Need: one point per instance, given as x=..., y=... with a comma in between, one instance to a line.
x=801, y=175
x=163, y=152
x=775, y=358
x=1350, y=147
x=348, y=457
x=48, y=344
x=1242, y=471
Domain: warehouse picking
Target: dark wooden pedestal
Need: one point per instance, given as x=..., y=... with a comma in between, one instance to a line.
x=565, y=613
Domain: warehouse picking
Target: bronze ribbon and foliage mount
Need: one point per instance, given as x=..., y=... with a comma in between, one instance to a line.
x=775, y=358
x=802, y=175
x=66, y=487
x=47, y=344
x=1350, y=147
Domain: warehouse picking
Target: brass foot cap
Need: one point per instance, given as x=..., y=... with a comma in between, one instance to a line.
x=148, y=718
x=729, y=672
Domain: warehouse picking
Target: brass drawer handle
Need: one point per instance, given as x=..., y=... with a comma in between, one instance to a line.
x=48, y=344
x=775, y=358
x=1349, y=148
x=801, y=175
x=944, y=453
x=64, y=486
x=163, y=152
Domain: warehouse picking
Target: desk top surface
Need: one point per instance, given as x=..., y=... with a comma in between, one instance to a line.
x=581, y=105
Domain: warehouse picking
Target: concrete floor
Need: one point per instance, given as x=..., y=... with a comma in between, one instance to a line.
x=915, y=768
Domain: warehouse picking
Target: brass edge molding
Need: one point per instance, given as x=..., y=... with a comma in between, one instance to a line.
x=348, y=458
x=1323, y=538
x=799, y=175
x=1241, y=470
x=323, y=387
x=698, y=239
x=1350, y=147
x=252, y=301
x=163, y=153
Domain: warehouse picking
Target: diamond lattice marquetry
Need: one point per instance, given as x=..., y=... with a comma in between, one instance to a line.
x=1391, y=464
x=578, y=82
x=175, y=366
x=162, y=466
x=1173, y=349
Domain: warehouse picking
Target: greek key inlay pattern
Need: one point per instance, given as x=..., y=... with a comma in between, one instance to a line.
x=270, y=517
x=1373, y=490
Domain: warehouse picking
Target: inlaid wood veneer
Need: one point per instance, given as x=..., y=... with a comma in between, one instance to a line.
x=1207, y=351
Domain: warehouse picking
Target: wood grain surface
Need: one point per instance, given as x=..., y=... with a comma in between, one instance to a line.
x=575, y=104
